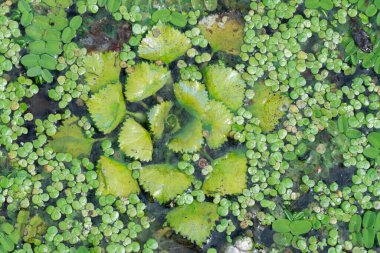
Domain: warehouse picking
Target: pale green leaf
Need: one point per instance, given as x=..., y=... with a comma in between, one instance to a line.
x=223, y=32
x=194, y=221
x=101, y=69
x=135, y=141
x=71, y=139
x=157, y=179
x=107, y=107
x=145, y=80
x=268, y=106
x=229, y=175
x=157, y=116
x=217, y=123
x=226, y=85
x=192, y=96
x=115, y=178
x=163, y=43
x=189, y=139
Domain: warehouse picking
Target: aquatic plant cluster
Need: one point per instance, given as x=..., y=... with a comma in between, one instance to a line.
x=189, y=126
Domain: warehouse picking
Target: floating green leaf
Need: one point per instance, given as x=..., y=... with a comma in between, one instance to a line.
x=299, y=227
x=101, y=69
x=374, y=139
x=162, y=15
x=369, y=219
x=47, y=76
x=229, y=175
x=163, y=43
x=146, y=80
x=178, y=19
x=371, y=152
x=355, y=223
x=192, y=96
x=223, y=32
x=157, y=116
x=283, y=239
x=107, y=107
x=225, y=84
x=157, y=179
x=113, y=5
x=47, y=62
x=135, y=141
x=281, y=225
x=189, y=139
x=217, y=123
x=194, y=221
x=71, y=139
x=115, y=178
x=268, y=106
x=30, y=60
x=34, y=71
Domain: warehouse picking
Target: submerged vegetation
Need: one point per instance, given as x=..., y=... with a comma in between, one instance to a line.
x=189, y=126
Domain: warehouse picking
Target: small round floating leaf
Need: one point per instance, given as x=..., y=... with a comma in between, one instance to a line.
x=229, y=175
x=353, y=133
x=371, y=152
x=283, y=239
x=115, y=178
x=47, y=76
x=157, y=179
x=30, y=60
x=107, y=107
x=113, y=5
x=369, y=219
x=135, y=141
x=26, y=19
x=281, y=225
x=300, y=227
x=48, y=62
x=34, y=71
x=217, y=123
x=194, y=221
x=225, y=84
x=192, y=96
x=163, y=43
x=157, y=116
x=68, y=34
x=37, y=47
x=355, y=223
x=76, y=22
x=312, y=4
x=178, y=19
x=374, y=139
x=162, y=15
x=146, y=80
x=189, y=139
x=326, y=4
x=368, y=238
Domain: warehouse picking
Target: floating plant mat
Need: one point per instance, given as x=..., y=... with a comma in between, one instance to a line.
x=189, y=126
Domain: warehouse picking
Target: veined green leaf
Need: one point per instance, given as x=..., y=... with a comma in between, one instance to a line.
x=146, y=80
x=229, y=175
x=163, y=43
x=226, y=85
x=157, y=179
x=192, y=96
x=135, y=141
x=189, y=139
x=157, y=116
x=107, y=107
x=194, y=221
x=115, y=178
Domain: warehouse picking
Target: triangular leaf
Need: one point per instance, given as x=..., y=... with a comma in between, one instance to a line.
x=115, y=178
x=217, y=123
x=194, y=221
x=157, y=179
x=226, y=85
x=107, y=108
x=101, y=69
x=268, y=106
x=163, y=43
x=223, y=32
x=135, y=141
x=71, y=139
x=145, y=80
x=189, y=139
x=157, y=116
x=192, y=96
x=229, y=175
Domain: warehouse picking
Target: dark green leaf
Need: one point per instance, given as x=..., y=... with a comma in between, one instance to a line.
x=369, y=219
